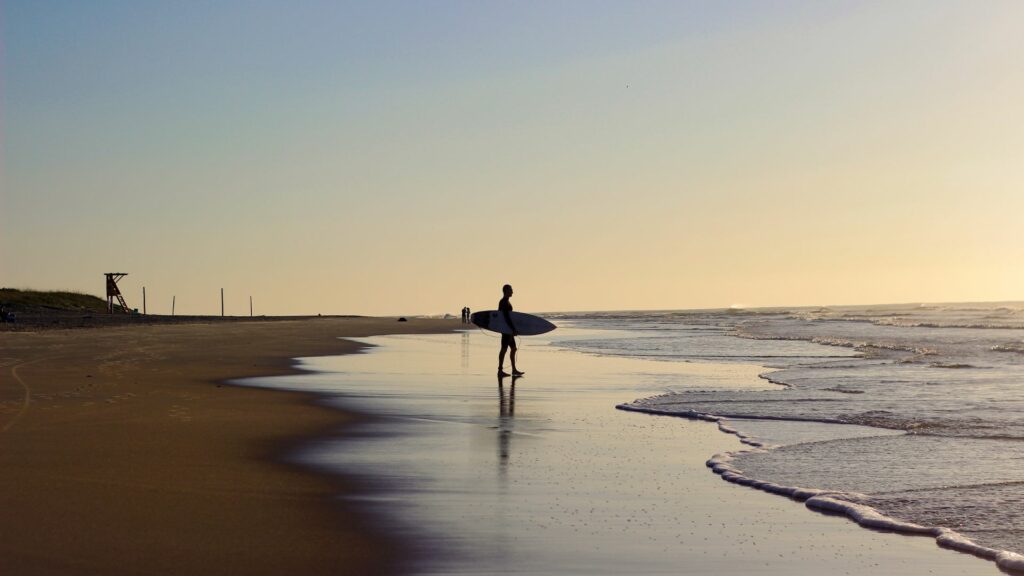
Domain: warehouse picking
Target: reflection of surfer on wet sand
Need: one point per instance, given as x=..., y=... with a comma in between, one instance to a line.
x=507, y=409
x=510, y=324
x=506, y=412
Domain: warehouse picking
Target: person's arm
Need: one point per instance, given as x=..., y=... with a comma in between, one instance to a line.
x=506, y=312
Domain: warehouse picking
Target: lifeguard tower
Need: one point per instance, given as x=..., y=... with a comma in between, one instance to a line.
x=114, y=292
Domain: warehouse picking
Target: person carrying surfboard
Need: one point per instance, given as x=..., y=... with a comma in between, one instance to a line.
x=507, y=340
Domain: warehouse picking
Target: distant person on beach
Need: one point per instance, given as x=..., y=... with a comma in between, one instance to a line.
x=507, y=340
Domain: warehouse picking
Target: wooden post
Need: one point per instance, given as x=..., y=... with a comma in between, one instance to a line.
x=173, y=298
x=143, y=300
x=221, y=302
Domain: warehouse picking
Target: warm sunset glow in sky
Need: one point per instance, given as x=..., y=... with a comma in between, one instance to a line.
x=412, y=157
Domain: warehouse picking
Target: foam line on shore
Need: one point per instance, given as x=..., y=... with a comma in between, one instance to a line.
x=831, y=501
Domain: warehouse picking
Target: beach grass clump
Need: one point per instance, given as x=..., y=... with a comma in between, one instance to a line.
x=58, y=299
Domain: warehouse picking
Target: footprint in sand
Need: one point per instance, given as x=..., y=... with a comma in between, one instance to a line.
x=180, y=413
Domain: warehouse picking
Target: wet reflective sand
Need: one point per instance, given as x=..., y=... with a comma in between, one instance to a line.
x=542, y=475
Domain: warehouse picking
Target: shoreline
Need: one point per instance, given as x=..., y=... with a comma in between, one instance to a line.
x=128, y=450
x=549, y=478
x=831, y=501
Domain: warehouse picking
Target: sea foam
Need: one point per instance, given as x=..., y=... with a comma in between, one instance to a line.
x=939, y=386
x=829, y=501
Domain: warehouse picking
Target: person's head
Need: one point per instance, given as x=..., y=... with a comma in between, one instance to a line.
x=507, y=290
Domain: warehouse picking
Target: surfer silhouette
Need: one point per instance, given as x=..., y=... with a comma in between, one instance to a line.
x=507, y=340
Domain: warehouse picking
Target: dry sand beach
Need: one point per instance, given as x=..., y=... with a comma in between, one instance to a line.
x=122, y=453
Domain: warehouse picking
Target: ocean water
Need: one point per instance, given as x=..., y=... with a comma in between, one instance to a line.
x=466, y=473
x=940, y=389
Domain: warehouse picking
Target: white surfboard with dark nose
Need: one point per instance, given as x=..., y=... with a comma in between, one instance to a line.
x=526, y=324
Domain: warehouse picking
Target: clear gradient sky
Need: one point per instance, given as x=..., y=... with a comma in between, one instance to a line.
x=412, y=157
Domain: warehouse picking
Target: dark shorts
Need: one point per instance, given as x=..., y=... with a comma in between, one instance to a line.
x=508, y=340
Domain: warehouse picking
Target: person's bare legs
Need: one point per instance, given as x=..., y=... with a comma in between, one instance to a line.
x=515, y=350
x=501, y=359
x=508, y=342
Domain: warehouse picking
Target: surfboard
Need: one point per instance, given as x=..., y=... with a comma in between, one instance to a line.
x=526, y=324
